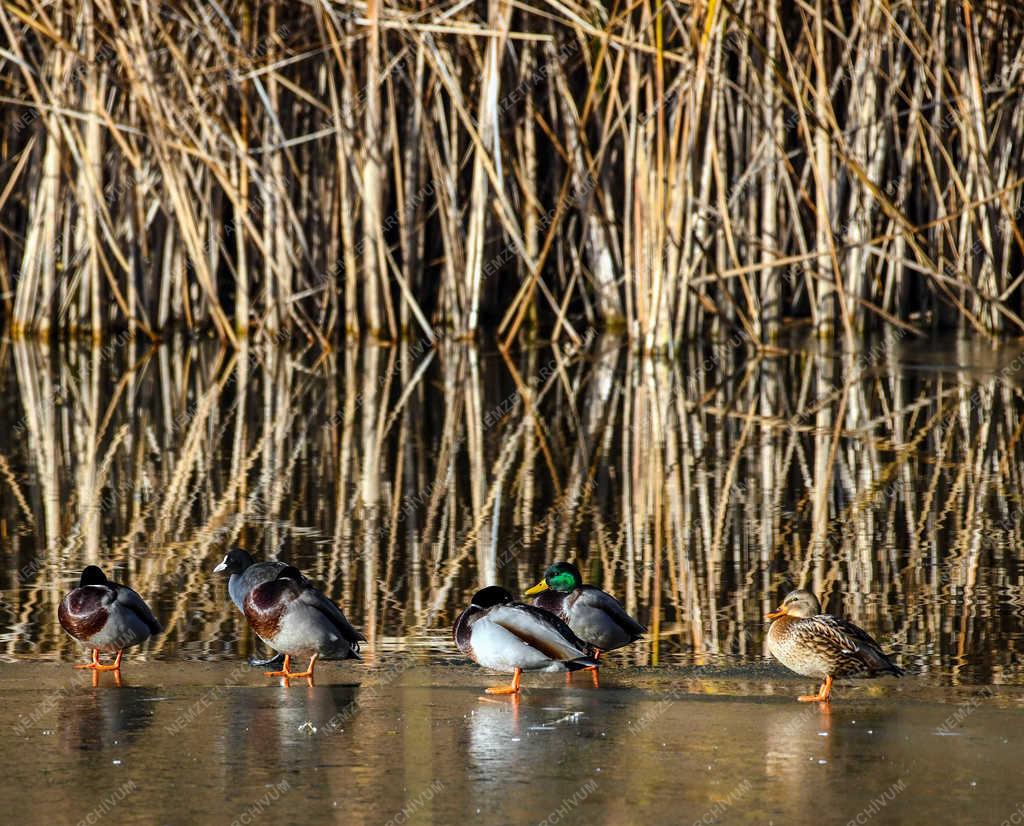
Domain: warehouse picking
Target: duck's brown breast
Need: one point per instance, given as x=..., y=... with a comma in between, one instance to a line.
x=556, y=602
x=462, y=631
x=792, y=642
x=83, y=613
x=265, y=607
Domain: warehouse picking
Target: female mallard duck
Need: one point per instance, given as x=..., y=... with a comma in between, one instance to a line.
x=822, y=646
x=294, y=618
x=245, y=573
x=510, y=636
x=593, y=615
x=106, y=616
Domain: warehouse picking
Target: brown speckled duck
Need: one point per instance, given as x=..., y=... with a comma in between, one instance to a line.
x=822, y=646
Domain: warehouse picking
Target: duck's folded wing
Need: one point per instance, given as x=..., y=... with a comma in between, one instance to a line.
x=596, y=598
x=261, y=572
x=311, y=596
x=137, y=605
x=855, y=642
x=540, y=629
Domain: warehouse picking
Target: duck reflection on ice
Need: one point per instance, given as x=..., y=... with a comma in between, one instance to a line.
x=541, y=744
x=265, y=726
x=799, y=737
x=797, y=734
x=105, y=718
x=528, y=731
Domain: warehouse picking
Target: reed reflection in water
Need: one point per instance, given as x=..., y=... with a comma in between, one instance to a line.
x=402, y=478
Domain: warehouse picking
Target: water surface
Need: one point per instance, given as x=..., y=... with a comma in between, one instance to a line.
x=209, y=743
x=401, y=479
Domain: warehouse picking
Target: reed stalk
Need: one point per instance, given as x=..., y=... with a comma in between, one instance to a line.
x=529, y=169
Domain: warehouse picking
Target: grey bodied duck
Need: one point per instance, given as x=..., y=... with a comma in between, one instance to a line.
x=106, y=616
x=822, y=646
x=504, y=635
x=594, y=615
x=244, y=574
x=297, y=620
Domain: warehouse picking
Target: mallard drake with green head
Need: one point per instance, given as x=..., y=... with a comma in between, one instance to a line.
x=594, y=615
x=297, y=620
x=504, y=635
x=822, y=646
x=106, y=617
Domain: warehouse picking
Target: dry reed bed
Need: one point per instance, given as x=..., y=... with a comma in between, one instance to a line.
x=698, y=491
x=324, y=168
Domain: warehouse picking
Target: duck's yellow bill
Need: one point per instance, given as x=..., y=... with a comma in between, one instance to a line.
x=773, y=615
x=536, y=589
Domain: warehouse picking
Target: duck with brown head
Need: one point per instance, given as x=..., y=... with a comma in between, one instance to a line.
x=823, y=646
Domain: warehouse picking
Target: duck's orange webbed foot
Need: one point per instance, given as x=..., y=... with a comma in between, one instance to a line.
x=308, y=673
x=507, y=689
x=824, y=694
x=284, y=672
x=593, y=669
x=114, y=666
x=96, y=665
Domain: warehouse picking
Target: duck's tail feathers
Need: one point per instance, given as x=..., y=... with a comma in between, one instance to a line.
x=886, y=667
x=582, y=662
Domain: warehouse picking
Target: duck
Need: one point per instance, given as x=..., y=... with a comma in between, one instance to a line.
x=822, y=646
x=297, y=620
x=595, y=616
x=107, y=617
x=245, y=573
x=498, y=633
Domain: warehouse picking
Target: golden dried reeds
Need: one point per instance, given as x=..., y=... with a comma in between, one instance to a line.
x=335, y=167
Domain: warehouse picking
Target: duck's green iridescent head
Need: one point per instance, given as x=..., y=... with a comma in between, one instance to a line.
x=562, y=576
